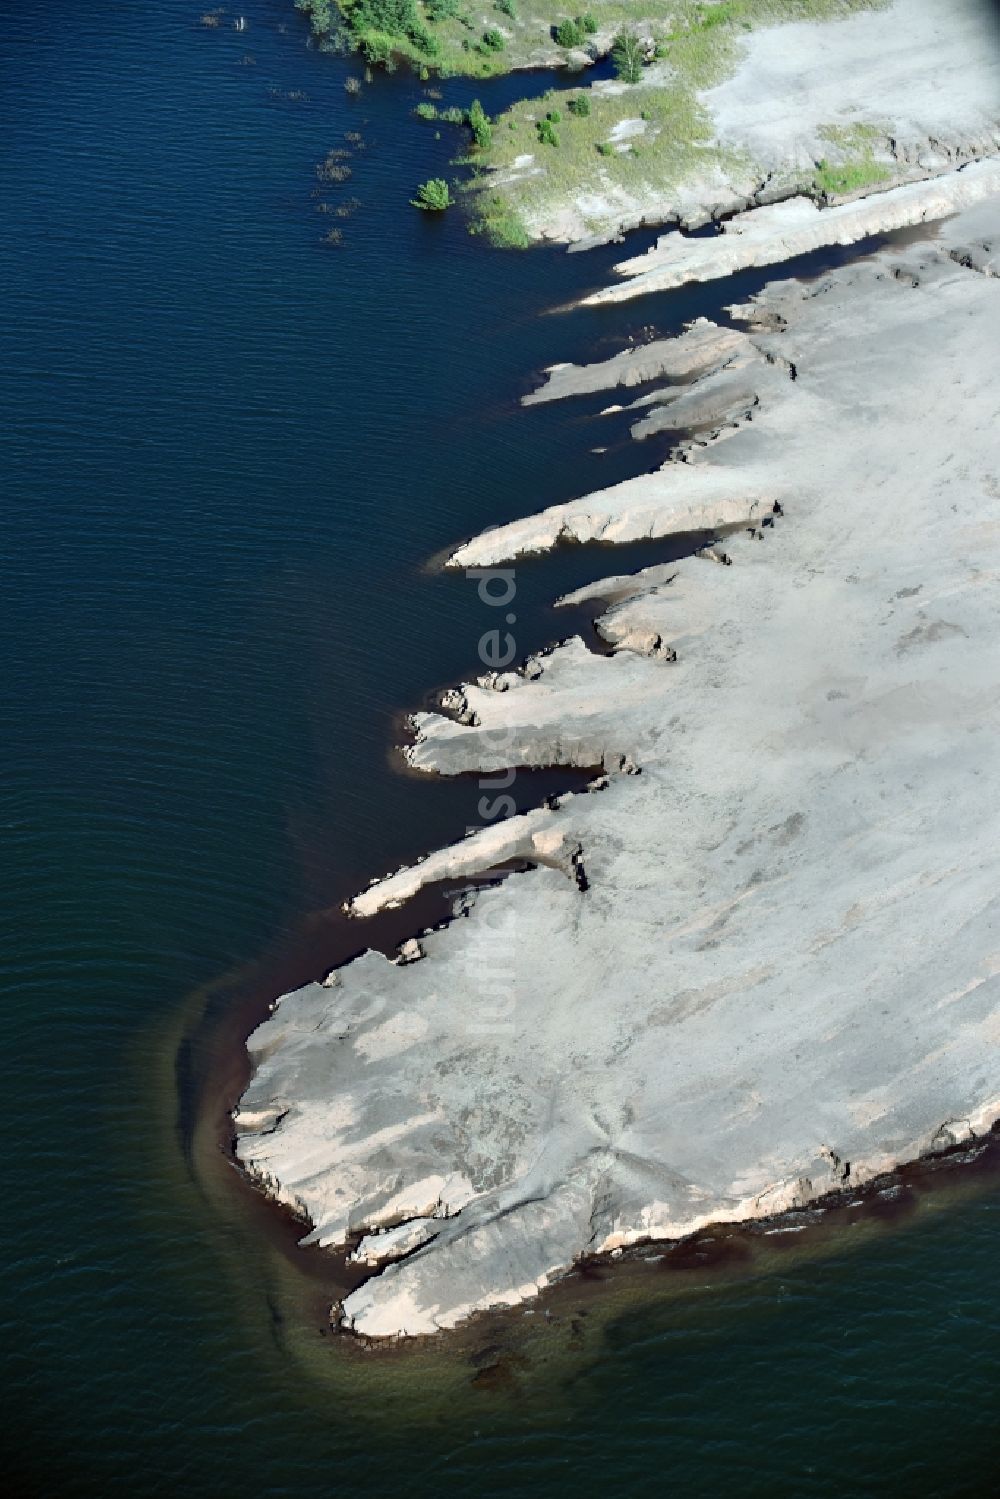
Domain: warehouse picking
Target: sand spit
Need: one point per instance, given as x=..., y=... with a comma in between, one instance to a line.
x=781, y=231
x=768, y=964
x=703, y=346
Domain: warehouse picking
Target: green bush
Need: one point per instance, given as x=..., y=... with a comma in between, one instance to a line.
x=422, y=39
x=494, y=40
x=479, y=124
x=506, y=8
x=376, y=47
x=425, y=111
x=627, y=56
x=570, y=33
x=441, y=10
x=574, y=33
x=377, y=26
x=605, y=148
x=433, y=196
x=579, y=106
x=547, y=133
x=554, y=116
x=319, y=12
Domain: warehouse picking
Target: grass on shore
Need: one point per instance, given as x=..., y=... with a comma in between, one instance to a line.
x=482, y=38
x=634, y=145
x=858, y=166
x=642, y=142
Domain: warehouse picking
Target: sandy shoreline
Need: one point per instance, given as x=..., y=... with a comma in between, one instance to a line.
x=751, y=966
x=807, y=909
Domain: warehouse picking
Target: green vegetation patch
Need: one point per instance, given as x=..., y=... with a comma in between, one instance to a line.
x=433, y=196
x=855, y=165
x=498, y=222
x=460, y=36
x=664, y=54
x=645, y=141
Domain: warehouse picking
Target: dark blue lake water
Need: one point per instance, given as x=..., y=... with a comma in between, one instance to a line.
x=229, y=451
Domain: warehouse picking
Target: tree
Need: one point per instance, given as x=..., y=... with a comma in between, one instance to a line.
x=432, y=196
x=628, y=56
x=479, y=124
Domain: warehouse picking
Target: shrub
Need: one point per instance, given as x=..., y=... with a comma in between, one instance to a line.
x=479, y=124
x=426, y=111
x=569, y=33
x=318, y=11
x=547, y=133
x=452, y=115
x=441, y=10
x=423, y=41
x=377, y=48
x=554, y=116
x=494, y=40
x=605, y=148
x=579, y=106
x=506, y=8
x=574, y=33
x=627, y=56
x=433, y=196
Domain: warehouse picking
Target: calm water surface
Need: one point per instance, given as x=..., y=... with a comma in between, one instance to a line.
x=229, y=452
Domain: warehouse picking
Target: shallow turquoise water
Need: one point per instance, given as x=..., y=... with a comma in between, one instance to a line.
x=229, y=451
